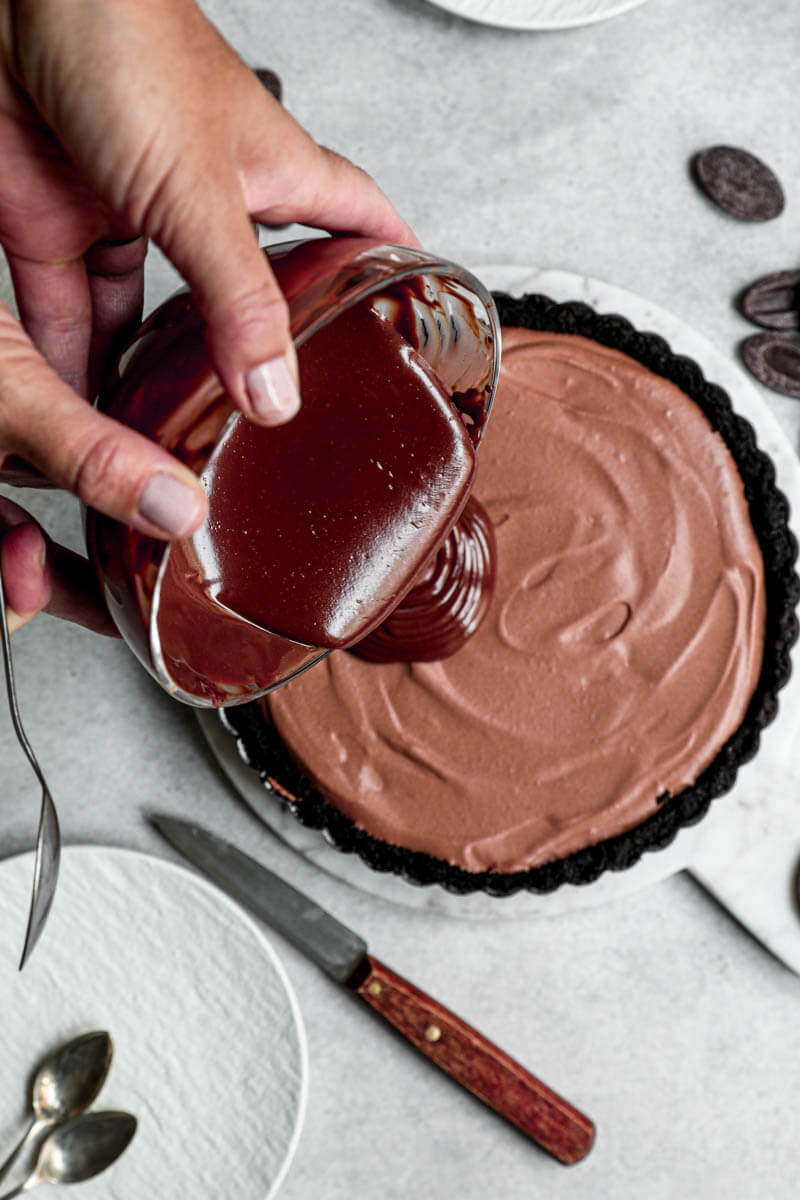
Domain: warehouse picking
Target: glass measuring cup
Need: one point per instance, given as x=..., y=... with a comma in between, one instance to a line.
x=166, y=388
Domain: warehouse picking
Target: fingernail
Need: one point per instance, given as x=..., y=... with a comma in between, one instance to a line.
x=170, y=504
x=273, y=392
x=15, y=620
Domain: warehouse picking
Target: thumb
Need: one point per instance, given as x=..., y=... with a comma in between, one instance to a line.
x=109, y=467
x=39, y=574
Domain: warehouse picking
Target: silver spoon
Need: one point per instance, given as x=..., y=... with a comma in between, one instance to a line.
x=48, y=842
x=79, y=1150
x=65, y=1084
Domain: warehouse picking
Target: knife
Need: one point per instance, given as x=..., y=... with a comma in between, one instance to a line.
x=466, y=1055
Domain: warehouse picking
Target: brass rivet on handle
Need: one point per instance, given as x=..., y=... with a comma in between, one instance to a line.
x=374, y=988
x=433, y=1033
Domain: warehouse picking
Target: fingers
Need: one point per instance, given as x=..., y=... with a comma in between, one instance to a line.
x=111, y=468
x=79, y=313
x=55, y=308
x=287, y=177
x=247, y=319
x=74, y=591
x=115, y=272
x=246, y=315
x=188, y=172
x=25, y=583
x=333, y=194
x=270, y=168
x=40, y=575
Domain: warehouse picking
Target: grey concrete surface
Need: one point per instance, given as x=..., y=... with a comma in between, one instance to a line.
x=655, y=1013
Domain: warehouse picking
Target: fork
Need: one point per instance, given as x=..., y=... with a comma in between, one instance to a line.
x=48, y=842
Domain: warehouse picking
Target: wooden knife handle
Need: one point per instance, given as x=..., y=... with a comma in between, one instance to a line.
x=476, y=1063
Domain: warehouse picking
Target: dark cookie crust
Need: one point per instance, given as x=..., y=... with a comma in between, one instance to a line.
x=261, y=747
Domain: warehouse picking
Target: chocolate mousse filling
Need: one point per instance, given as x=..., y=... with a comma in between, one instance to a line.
x=639, y=633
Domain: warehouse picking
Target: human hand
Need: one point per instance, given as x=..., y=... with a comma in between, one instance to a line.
x=133, y=119
x=39, y=574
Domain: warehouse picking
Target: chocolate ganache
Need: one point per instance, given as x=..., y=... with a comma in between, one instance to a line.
x=620, y=653
x=449, y=599
x=316, y=529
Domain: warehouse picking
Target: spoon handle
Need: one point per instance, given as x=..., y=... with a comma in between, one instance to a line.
x=27, y=1136
x=48, y=842
x=17, y=1190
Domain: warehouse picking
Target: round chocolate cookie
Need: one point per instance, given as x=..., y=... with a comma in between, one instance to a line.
x=774, y=360
x=739, y=183
x=773, y=302
x=571, y=708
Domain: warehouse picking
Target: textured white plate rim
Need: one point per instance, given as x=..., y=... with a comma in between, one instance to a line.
x=535, y=15
x=191, y=878
x=654, y=865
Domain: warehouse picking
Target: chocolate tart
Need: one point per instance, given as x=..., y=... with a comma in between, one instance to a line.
x=261, y=747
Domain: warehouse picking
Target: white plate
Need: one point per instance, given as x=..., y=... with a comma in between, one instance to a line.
x=537, y=14
x=209, y=1048
x=757, y=801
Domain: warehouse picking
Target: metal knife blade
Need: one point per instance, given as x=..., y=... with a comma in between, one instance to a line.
x=328, y=943
x=453, y=1045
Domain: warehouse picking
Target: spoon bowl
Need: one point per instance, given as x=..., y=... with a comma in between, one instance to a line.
x=65, y=1084
x=79, y=1149
x=69, y=1079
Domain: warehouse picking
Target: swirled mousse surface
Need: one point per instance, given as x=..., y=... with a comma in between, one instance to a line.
x=620, y=652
